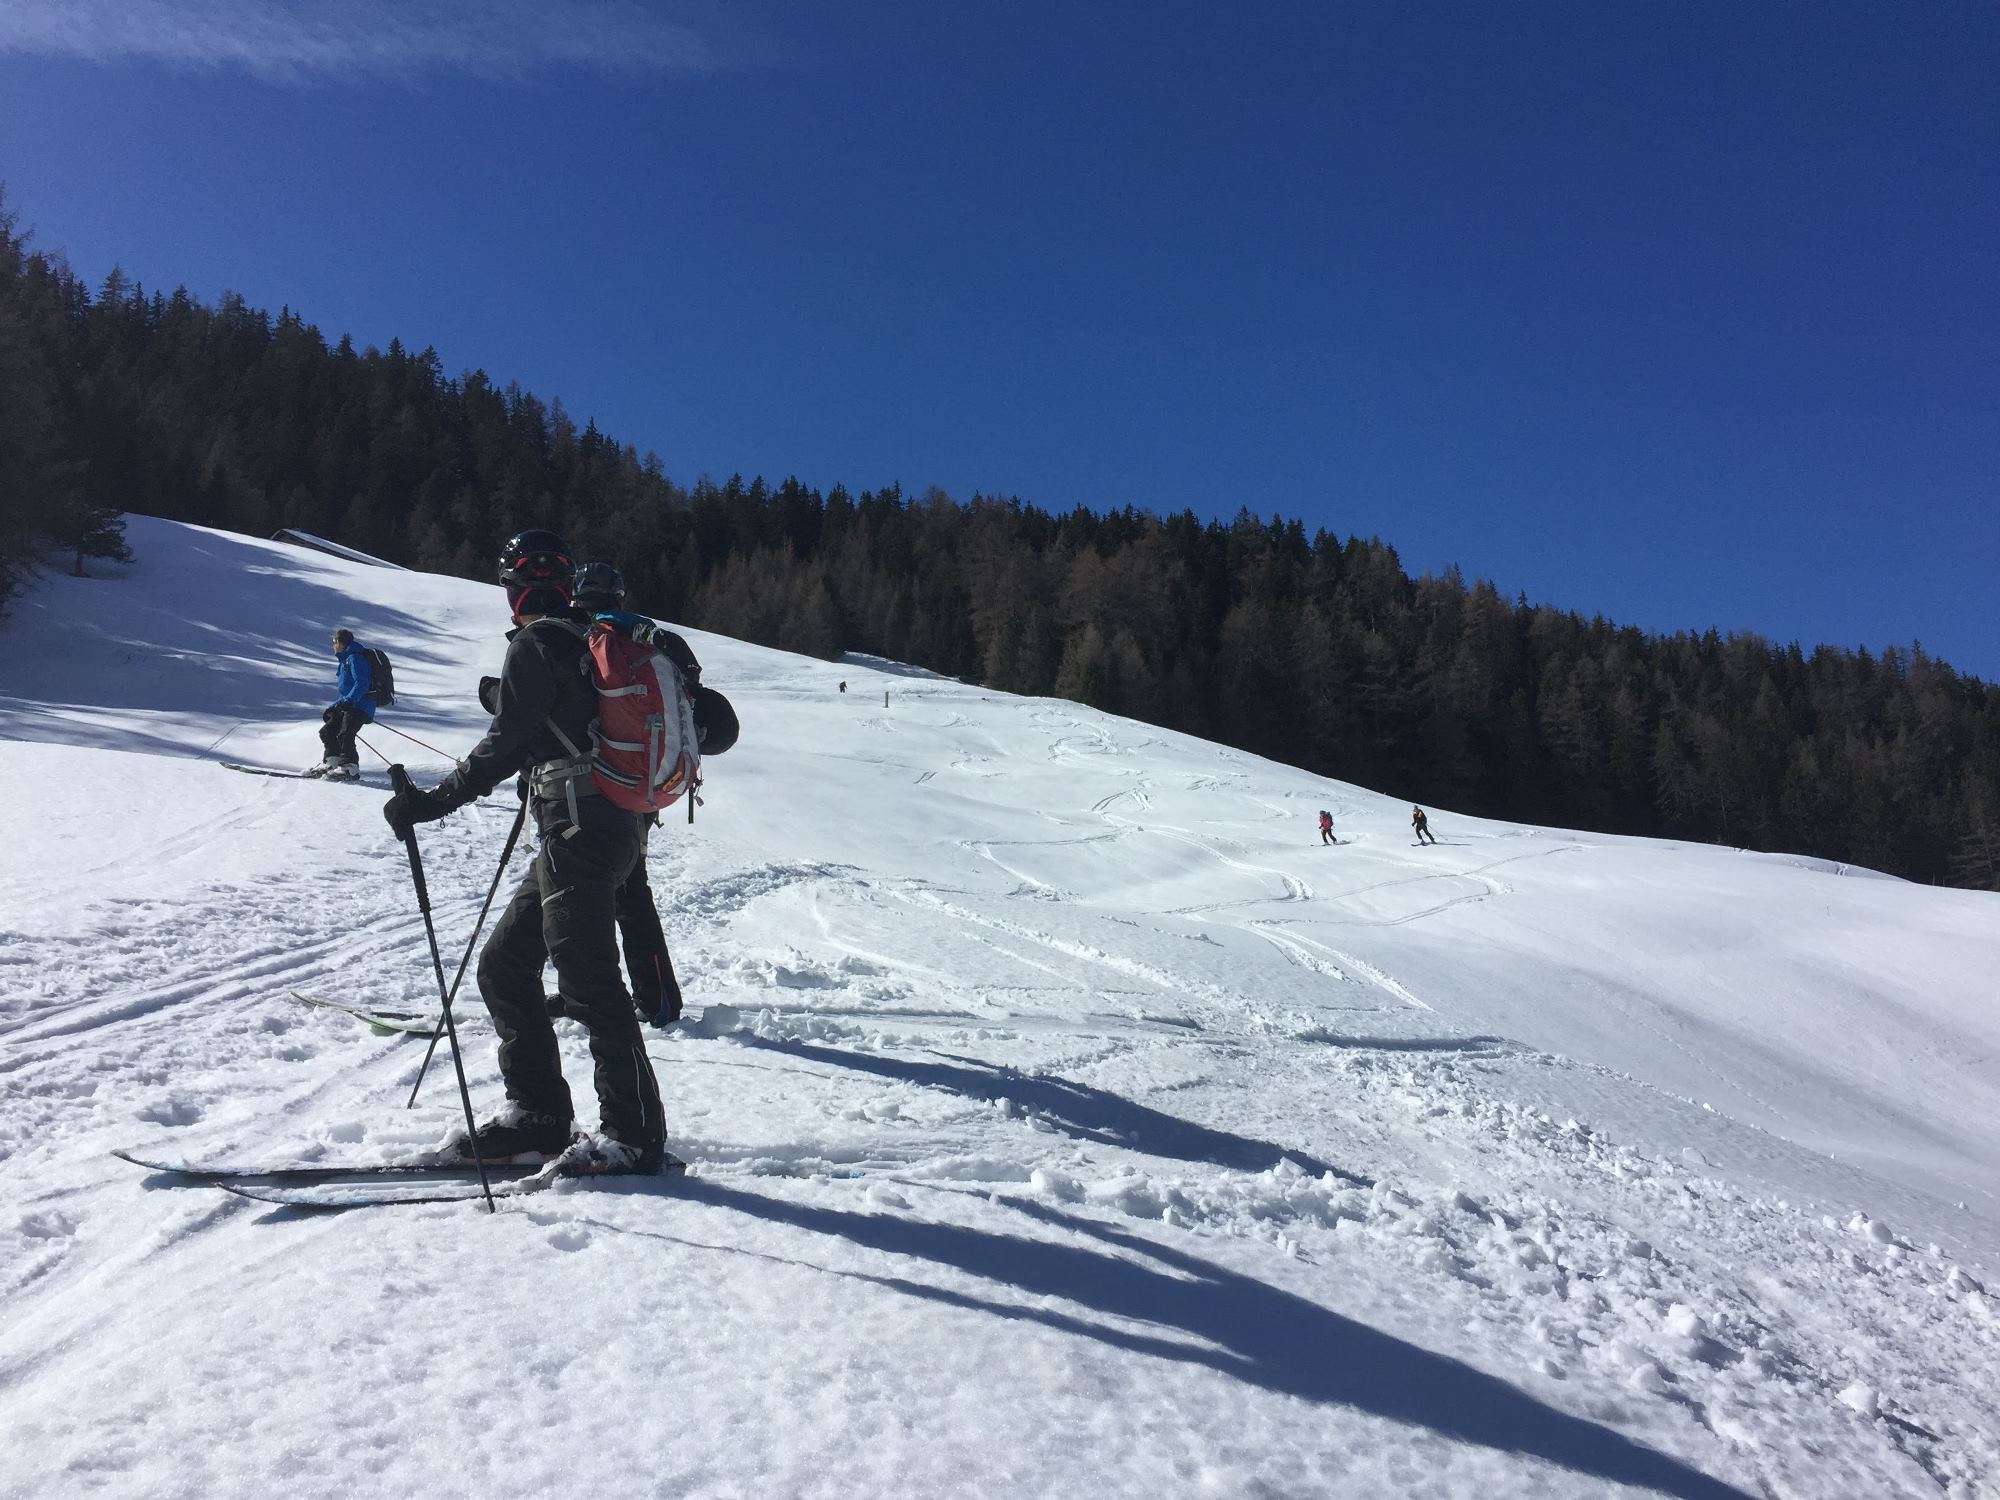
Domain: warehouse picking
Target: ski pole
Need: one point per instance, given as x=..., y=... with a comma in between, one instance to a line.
x=400, y=780
x=506, y=854
x=413, y=739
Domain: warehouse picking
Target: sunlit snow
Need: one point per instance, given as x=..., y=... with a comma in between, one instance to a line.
x=1063, y=1117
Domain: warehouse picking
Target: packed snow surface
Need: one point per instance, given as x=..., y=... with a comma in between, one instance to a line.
x=1064, y=1118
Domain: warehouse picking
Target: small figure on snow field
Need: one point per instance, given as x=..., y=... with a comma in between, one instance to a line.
x=1422, y=825
x=354, y=679
x=1326, y=828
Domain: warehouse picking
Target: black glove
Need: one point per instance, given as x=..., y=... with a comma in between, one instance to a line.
x=408, y=808
x=331, y=710
x=489, y=694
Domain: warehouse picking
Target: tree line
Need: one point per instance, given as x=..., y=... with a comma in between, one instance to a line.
x=1315, y=650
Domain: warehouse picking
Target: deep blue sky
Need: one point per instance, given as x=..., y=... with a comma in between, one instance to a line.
x=1687, y=313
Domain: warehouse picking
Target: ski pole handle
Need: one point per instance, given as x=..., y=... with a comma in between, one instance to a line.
x=399, y=779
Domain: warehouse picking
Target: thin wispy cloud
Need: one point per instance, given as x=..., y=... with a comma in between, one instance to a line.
x=300, y=40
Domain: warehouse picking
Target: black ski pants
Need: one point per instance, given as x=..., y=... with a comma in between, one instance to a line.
x=656, y=992
x=1326, y=835
x=656, y=989
x=337, y=730
x=565, y=913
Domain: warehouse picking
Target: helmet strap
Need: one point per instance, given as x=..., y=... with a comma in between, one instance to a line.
x=537, y=599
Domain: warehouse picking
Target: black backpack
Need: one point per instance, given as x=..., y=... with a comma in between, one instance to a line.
x=382, y=673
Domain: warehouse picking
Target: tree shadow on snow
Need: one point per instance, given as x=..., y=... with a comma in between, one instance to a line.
x=1249, y=1330
x=256, y=653
x=1090, y=1114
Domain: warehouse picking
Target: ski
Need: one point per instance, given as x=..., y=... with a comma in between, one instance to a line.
x=382, y=1022
x=233, y=765
x=221, y=1174
x=390, y=1195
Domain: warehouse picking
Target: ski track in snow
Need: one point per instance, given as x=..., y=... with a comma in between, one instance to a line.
x=1261, y=1214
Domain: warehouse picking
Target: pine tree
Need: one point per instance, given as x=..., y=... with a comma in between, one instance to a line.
x=86, y=530
x=1317, y=650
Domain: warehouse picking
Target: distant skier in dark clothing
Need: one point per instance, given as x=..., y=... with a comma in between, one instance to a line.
x=1326, y=827
x=1422, y=825
x=565, y=911
x=355, y=682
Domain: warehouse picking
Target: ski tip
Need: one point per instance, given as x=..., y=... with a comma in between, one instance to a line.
x=151, y=1166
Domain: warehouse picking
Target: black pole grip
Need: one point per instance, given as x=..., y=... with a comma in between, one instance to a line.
x=400, y=780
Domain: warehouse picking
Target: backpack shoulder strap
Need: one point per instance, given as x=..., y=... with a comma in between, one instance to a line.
x=583, y=635
x=561, y=624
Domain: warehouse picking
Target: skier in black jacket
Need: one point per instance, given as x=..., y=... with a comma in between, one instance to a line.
x=656, y=989
x=565, y=911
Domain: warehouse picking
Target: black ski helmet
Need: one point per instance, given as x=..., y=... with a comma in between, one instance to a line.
x=537, y=572
x=599, y=586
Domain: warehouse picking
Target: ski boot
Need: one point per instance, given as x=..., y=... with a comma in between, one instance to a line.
x=607, y=1156
x=516, y=1136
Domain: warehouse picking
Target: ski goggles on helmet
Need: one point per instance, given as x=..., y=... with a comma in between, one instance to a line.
x=539, y=569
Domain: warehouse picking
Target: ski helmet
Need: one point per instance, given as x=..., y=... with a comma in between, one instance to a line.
x=537, y=572
x=599, y=586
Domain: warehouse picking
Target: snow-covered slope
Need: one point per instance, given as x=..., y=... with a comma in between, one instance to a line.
x=1061, y=1112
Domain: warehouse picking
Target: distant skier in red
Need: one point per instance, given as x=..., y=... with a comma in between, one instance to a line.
x=1422, y=825
x=1326, y=827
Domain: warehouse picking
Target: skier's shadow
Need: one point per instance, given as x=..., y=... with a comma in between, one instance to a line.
x=1088, y=1113
x=1236, y=1325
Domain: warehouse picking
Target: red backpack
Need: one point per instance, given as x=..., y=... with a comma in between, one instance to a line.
x=644, y=754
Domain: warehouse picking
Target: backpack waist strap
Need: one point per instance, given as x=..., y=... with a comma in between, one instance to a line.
x=564, y=781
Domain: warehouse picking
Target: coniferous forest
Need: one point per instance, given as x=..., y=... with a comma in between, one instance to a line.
x=1311, y=649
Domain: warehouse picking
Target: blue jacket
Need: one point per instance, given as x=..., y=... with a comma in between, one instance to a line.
x=356, y=680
